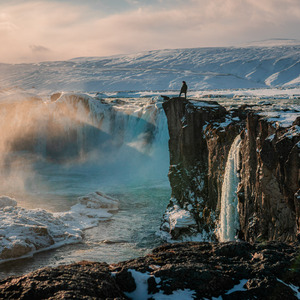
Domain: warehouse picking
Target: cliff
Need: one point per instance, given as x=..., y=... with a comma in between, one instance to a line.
x=181, y=270
x=201, y=135
x=268, y=192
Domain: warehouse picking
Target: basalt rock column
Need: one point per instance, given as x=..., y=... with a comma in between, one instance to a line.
x=201, y=134
x=192, y=208
x=269, y=189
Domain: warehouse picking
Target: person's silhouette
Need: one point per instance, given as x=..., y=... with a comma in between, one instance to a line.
x=183, y=89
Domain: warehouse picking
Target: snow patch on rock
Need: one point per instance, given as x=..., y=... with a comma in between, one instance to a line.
x=141, y=291
x=179, y=217
x=24, y=232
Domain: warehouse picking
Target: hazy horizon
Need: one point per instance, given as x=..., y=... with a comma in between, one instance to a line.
x=44, y=30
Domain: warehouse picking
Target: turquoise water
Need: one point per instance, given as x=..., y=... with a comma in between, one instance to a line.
x=126, y=157
x=131, y=232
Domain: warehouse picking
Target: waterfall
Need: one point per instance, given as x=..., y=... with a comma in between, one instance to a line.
x=77, y=124
x=113, y=141
x=229, y=217
x=128, y=136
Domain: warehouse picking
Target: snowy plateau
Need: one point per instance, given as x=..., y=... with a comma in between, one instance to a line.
x=254, y=66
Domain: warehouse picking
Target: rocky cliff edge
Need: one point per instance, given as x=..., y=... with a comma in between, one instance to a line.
x=201, y=135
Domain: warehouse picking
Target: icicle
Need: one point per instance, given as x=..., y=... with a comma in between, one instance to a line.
x=229, y=217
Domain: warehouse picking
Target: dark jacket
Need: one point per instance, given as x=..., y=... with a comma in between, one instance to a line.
x=183, y=88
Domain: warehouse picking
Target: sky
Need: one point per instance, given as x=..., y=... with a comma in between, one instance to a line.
x=32, y=31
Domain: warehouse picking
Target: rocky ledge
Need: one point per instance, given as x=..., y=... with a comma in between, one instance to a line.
x=187, y=270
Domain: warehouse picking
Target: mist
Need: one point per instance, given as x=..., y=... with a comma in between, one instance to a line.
x=53, y=152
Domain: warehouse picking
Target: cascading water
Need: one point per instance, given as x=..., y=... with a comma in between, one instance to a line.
x=229, y=217
x=76, y=125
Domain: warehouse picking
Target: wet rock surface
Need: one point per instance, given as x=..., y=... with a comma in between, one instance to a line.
x=231, y=270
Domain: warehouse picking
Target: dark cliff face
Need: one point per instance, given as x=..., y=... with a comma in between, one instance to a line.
x=201, y=135
x=193, y=194
x=267, y=193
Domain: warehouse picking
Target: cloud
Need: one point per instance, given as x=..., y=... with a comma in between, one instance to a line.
x=52, y=30
x=38, y=49
x=6, y=27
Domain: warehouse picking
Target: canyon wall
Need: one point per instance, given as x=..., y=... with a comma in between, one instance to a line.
x=201, y=134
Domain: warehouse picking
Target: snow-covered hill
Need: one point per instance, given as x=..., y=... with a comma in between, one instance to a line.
x=203, y=68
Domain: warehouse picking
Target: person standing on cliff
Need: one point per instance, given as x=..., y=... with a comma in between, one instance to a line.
x=183, y=89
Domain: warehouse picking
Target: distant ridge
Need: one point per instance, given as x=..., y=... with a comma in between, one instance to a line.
x=272, y=43
x=260, y=65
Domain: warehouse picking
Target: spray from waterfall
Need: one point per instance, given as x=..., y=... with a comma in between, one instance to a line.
x=229, y=217
x=116, y=142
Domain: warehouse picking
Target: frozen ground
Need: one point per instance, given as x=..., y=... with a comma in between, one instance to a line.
x=24, y=232
x=141, y=291
x=202, y=68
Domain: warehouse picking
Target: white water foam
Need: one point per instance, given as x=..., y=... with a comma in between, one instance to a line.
x=24, y=232
x=229, y=216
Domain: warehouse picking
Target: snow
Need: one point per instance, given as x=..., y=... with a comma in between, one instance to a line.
x=224, y=124
x=198, y=95
x=200, y=104
x=295, y=289
x=270, y=137
x=24, y=232
x=279, y=118
x=204, y=236
x=238, y=287
x=89, y=210
x=260, y=93
x=141, y=291
x=202, y=68
x=179, y=218
x=16, y=96
x=292, y=132
x=7, y=201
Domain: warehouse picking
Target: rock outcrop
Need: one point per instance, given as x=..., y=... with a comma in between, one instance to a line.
x=82, y=280
x=198, y=150
x=268, y=193
x=203, y=270
x=24, y=232
x=201, y=134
